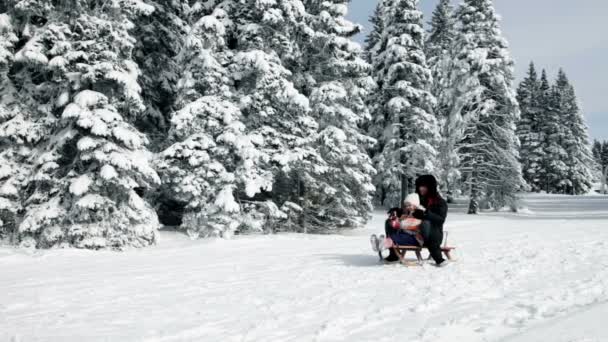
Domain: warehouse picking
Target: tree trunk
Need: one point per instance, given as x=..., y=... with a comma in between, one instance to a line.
x=403, y=160
x=604, y=180
x=404, y=189
x=474, y=203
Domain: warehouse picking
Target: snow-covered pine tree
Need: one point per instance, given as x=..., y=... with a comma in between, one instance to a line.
x=159, y=36
x=212, y=159
x=604, y=166
x=441, y=34
x=554, y=167
x=375, y=35
x=579, y=158
x=374, y=47
x=483, y=99
x=75, y=59
x=274, y=110
x=437, y=48
x=25, y=120
x=531, y=150
x=14, y=128
x=339, y=193
x=597, y=151
x=410, y=131
x=600, y=155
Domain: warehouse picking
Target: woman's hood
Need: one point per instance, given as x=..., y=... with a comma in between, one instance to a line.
x=430, y=182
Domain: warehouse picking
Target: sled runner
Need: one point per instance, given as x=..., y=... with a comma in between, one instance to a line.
x=402, y=251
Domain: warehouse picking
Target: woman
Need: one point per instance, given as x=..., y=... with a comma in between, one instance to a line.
x=433, y=215
x=432, y=212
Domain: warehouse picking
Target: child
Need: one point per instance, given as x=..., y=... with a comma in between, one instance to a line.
x=409, y=223
x=401, y=230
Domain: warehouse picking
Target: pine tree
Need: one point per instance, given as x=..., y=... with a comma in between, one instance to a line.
x=554, y=167
x=375, y=47
x=275, y=111
x=212, y=159
x=442, y=32
x=604, y=165
x=579, y=159
x=25, y=119
x=437, y=48
x=484, y=104
x=375, y=35
x=405, y=103
x=600, y=155
x=13, y=133
x=339, y=193
x=597, y=151
x=92, y=168
x=160, y=37
x=528, y=130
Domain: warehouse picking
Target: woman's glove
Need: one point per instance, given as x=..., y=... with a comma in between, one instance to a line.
x=419, y=214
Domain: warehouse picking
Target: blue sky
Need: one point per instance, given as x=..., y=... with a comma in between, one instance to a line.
x=553, y=33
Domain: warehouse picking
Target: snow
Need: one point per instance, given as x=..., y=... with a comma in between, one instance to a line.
x=91, y=201
x=62, y=99
x=108, y=172
x=80, y=185
x=226, y=202
x=293, y=287
x=128, y=80
x=89, y=98
x=31, y=53
x=5, y=22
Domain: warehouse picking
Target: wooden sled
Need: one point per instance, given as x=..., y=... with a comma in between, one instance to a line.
x=401, y=251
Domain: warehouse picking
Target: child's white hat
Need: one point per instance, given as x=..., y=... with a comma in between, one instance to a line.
x=412, y=199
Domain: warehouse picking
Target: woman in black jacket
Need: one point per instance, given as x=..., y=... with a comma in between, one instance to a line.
x=433, y=216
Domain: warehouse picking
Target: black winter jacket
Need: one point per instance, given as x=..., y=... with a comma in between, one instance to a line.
x=435, y=213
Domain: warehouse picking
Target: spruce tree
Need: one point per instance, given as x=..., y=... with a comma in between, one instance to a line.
x=212, y=159
x=375, y=35
x=410, y=133
x=597, y=151
x=484, y=100
x=275, y=111
x=26, y=107
x=441, y=33
x=579, y=159
x=604, y=166
x=554, y=167
x=339, y=193
x=15, y=130
x=91, y=170
x=373, y=49
x=528, y=129
x=160, y=37
x=600, y=155
x=437, y=48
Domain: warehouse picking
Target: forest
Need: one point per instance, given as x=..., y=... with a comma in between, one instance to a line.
x=224, y=117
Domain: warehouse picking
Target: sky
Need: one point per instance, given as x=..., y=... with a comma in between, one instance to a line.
x=569, y=34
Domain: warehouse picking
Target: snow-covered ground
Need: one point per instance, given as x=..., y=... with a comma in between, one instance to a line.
x=538, y=276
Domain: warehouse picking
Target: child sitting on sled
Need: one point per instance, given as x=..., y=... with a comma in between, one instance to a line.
x=401, y=228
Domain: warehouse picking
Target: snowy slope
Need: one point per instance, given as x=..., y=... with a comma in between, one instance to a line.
x=553, y=286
